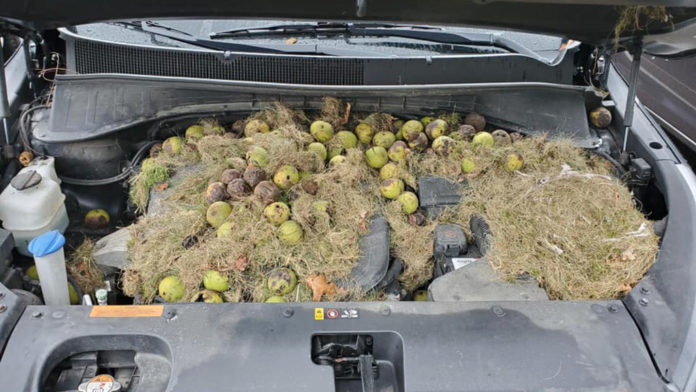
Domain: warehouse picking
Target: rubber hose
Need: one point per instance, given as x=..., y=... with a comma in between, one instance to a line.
x=10, y=170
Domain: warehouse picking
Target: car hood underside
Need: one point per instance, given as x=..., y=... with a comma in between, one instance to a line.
x=667, y=25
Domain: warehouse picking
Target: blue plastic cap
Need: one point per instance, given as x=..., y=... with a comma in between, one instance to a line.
x=46, y=243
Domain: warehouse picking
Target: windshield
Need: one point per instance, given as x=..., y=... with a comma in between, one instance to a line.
x=543, y=47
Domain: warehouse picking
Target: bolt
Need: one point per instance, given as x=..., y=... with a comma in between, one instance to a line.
x=288, y=312
x=644, y=301
x=3, y=308
x=37, y=314
x=613, y=308
x=169, y=314
x=645, y=290
x=385, y=311
x=498, y=311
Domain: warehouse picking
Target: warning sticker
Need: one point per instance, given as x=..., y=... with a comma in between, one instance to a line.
x=335, y=314
x=100, y=383
x=127, y=311
x=349, y=314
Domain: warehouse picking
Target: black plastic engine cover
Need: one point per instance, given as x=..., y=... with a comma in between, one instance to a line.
x=475, y=346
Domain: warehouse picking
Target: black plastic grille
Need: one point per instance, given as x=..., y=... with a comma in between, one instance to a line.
x=97, y=57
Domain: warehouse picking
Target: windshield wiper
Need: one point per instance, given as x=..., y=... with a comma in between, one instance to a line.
x=307, y=28
x=175, y=34
x=425, y=33
x=161, y=30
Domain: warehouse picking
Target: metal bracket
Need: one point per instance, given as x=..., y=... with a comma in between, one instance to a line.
x=4, y=101
x=31, y=78
x=361, y=8
x=367, y=375
x=636, y=49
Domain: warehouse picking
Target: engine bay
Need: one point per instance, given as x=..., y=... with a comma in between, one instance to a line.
x=182, y=212
x=115, y=180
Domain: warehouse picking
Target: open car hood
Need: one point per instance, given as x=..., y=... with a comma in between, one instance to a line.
x=592, y=21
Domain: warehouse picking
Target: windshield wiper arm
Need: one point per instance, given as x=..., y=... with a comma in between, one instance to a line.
x=175, y=34
x=161, y=30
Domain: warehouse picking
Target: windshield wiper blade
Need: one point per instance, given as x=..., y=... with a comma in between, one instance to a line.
x=175, y=34
x=425, y=33
x=305, y=28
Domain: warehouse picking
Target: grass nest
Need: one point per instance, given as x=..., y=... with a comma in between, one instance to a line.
x=83, y=269
x=562, y=218
x=179, y=241
x=639, y=18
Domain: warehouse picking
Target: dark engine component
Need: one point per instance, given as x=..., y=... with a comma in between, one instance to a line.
x=351, y=357
x=449, y=244
x=436, y=193
x=361, y=362
x=114, y=370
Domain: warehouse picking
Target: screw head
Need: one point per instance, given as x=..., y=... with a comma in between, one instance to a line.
x=613, y=308
x=288, y=312
x=498, y=311
x=385, y=310
x=645, y=290
x=643, y=301
x=169, y=314
x=37, y=314
x=3, y=308
x=2, y=295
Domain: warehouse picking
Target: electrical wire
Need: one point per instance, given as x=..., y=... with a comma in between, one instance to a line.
x=102, y=181
x=45, y=100
x=23, y=126
x=619, y=168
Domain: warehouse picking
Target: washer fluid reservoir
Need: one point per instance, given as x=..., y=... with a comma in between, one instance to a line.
x=33, y=203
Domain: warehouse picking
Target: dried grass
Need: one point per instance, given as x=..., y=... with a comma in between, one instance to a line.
x=157, y=170
x=82, y=268
x=638, y=18
x=335, y=111
x=571, y=232
x=157, y=250
x=330, y=244
x=143, y=182
x=563, y=219
x=413, y=245
x=380, y=121
x=281, y=116
x=453, y=120
x=214, y=149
